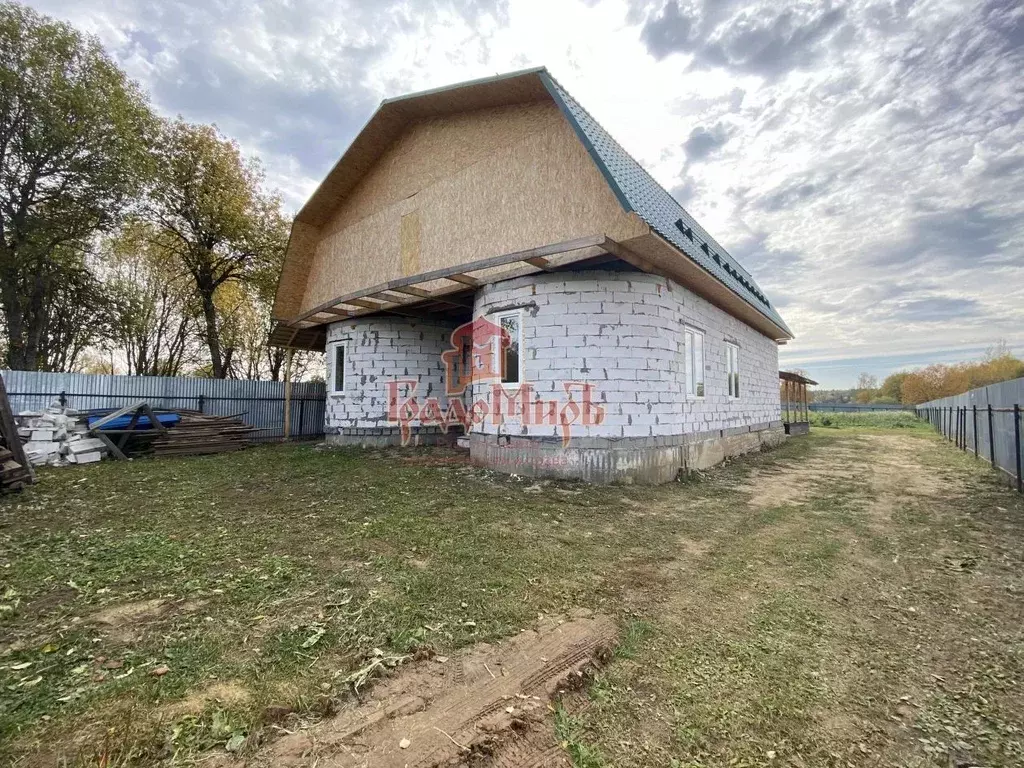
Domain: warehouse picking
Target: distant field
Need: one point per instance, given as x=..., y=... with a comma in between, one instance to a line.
x=880, y=419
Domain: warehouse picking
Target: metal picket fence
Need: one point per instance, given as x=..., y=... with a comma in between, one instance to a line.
x=258, y=403
x=985, y=421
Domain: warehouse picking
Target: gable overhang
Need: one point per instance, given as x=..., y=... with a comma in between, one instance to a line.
x=677, y=246
x=448, y=293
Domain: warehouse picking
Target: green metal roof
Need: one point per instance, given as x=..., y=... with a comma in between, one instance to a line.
x=639, y=193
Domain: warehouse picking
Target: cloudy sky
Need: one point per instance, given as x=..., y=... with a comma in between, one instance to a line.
x=863, y=159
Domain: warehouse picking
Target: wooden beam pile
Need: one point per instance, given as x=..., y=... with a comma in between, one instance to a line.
x=199, y=433
x=15, y=471
x=13, y=476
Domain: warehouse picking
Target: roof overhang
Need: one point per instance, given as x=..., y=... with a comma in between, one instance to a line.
x=448, y=292
x=796, y=378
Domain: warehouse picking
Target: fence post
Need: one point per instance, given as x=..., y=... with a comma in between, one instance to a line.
x=302, y=415
x=991, y=438
x=963, y=429
x=1016, y=440
x=975, y=409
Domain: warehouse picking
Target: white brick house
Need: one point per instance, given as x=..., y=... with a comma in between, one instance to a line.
x=485, y=259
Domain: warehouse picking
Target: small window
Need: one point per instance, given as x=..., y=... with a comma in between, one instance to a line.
x=693, y=342
x=732, y=353
x=338, y=369
x=510, y=356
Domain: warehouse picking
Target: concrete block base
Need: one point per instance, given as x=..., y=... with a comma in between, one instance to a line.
x=644, y=461
x=386, y=437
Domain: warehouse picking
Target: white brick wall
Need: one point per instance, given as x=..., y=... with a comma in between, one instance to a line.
x=624, y=333
x=379, y=350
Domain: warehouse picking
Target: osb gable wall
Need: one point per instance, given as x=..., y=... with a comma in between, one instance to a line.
x=458, y=188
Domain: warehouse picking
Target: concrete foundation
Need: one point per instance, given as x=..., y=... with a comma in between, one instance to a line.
x=643, y=461
x=386, y=437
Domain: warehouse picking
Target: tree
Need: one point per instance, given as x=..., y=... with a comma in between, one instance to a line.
x=73, y=149
x=153, y=311
x=892, y=387
x=75, y=313
x=866, y=385
x=206, y=199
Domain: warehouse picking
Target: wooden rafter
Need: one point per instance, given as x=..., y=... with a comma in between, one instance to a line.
x=460, y=274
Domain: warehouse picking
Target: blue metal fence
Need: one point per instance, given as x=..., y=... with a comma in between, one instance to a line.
x=258, y=403
x=985, y=421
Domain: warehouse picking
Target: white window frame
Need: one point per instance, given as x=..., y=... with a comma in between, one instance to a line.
x=500, y=352
x=732, y=369
x=694, y=355
x=332, y=368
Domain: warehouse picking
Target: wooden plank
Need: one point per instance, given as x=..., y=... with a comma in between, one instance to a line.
x=154, y=421
x=638, y=261
x=411, y=291
x=374, y=305
x=123, y=440
x=464, y=279
x=540, y=262
x=473, y=266
x=422, y=294
x=288, y=394
x=10, y=431
x=116, y=452
x=115, y=415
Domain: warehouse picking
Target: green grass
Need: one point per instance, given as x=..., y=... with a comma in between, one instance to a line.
x=876, y=419
x=764, y=608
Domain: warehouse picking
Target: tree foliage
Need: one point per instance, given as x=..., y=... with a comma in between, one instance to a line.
x=939, y=380
x=74, y=134
x=153, y=308
x=206, y=201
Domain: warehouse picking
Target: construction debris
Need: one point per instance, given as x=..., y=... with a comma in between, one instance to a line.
x=57, y=436
x=199, y=433
x=13, y=476
x=15, y=471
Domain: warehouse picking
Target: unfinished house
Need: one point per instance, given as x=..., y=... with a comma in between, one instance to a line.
x=486, y=263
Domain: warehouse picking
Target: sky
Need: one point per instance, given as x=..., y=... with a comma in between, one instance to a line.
x=864, y=160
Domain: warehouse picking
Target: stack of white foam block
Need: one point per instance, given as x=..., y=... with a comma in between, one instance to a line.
x=58, y=436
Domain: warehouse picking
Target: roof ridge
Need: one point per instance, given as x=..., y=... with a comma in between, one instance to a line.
x=465, y=84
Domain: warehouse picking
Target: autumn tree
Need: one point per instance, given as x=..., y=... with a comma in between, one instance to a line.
x=866, y=385
x=891, y=390
x=73, y=155
x=153, y=312
x=207, y=202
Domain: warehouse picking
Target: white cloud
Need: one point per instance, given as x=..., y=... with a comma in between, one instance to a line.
x=863, y=159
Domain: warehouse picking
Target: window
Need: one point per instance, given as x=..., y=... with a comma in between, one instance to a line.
x=732, y=359
x=466, y=375
x=693, y=343
x=337, y=373
x=511, y=358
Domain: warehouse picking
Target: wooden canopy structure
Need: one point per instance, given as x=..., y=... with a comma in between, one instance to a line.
x=793, y=391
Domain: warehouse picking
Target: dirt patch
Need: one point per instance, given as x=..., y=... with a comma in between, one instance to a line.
x=227, y=693
x=487, y=704
x=123, y=622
